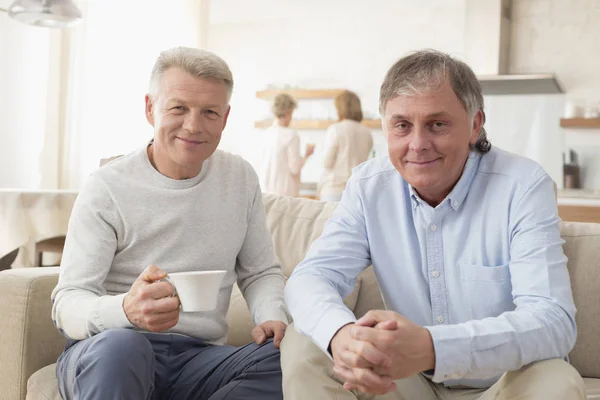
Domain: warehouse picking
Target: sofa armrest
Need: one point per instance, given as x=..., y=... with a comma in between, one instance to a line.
x=29, y=339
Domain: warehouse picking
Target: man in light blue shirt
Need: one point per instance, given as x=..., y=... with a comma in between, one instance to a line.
x=465, y=243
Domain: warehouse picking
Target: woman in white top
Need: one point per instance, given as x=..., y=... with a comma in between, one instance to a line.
x=283, y=161
x=347, y=144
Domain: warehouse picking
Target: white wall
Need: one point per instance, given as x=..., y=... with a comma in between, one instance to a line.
x=320, y=44
x=24, y=69
x=113, y=52
x=562, y=36
x=350, y=44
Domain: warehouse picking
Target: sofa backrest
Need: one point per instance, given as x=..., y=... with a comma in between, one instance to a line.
x=295, y=223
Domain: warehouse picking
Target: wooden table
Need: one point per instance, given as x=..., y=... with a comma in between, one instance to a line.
x=30, y=216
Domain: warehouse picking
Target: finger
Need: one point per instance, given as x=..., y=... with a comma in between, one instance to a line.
x=363, y=377
x=369, y=353
x=373, y=317
x=163, y=327
x=375, y=336
x=259, y=335
x=152, y=273
x=387, y=325
x=162, y=322
x=157, y=290
x=352, y=360
x=164, y=318
x=165, y=305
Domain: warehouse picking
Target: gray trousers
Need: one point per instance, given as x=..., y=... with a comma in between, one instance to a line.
x=126, y=364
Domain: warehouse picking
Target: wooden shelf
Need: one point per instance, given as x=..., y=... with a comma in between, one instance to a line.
x=300, y=93
x=372, y=123
x=315, y=123
x=580, y=123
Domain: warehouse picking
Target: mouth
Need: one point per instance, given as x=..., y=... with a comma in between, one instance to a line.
x=421, y=163
x=190, y=141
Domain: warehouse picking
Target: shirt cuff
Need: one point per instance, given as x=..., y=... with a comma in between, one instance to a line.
x=331, y=322
x=111, y=313
x=452, y=352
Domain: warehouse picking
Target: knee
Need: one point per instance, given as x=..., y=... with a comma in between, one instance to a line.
x=119, y=351
x=554, y=377
x=564, y=379
x=299, y=355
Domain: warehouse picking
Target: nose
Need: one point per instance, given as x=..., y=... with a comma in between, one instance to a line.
x=420, y=140
x=193, y=122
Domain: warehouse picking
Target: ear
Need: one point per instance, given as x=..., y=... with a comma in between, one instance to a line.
x=149, y=109
x=478, y=121
x=226, y=117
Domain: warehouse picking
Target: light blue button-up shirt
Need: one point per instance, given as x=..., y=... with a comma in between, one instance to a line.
x=484, y=271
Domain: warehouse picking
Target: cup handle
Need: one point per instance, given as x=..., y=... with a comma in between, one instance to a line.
x=167, y=279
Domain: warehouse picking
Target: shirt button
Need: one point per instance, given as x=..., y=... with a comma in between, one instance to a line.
x=455, y=204
x=436, y=274
x=440, y=319
x=433, y=228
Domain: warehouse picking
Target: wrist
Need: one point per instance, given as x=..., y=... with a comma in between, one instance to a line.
x=429, y=356
x=336, y=337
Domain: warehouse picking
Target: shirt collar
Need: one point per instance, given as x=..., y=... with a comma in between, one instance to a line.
x=459, y=192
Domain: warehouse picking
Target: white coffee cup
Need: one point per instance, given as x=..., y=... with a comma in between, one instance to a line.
x=197, y=290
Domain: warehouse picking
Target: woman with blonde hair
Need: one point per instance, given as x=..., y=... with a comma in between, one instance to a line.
x=283, y=160
x=347, y=144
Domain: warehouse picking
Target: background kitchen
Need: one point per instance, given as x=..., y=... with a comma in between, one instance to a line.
x=71, y=97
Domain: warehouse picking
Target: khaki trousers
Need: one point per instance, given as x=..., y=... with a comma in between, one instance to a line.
x=308, y=375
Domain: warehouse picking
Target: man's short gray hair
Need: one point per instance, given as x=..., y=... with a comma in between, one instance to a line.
x=428, y=70
x=196, y=62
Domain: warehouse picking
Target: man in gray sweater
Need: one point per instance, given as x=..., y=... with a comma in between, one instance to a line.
x=177, y=204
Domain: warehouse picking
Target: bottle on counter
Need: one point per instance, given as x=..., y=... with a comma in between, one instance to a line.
x=571, y=171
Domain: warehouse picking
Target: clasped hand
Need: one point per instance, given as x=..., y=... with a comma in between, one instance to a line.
x=378, y=349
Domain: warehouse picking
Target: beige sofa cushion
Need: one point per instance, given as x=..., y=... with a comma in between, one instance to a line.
x=582, y=247
x=294, y=224
x=43, y=385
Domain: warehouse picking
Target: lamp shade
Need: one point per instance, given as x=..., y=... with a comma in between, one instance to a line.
x=45, y=13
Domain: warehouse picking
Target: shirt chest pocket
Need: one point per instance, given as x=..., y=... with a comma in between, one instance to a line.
x=487, y=290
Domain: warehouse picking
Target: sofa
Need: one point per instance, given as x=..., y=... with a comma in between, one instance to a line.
x=30, y=344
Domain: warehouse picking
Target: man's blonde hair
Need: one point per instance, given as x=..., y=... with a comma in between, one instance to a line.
x=196, y=62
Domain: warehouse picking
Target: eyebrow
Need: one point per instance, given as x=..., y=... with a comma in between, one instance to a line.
x=181, y=101
x=432, y=115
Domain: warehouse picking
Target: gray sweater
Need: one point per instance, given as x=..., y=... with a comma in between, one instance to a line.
x=128, y=216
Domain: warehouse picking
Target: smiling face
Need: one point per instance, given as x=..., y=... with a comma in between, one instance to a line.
x=428, y=137
x=188, y=114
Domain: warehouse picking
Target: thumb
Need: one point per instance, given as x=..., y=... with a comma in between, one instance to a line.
x=153, y=273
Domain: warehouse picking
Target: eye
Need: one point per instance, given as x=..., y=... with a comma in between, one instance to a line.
x=178, y=108
x=402, y=127
x=212, y=113
x=438, y=126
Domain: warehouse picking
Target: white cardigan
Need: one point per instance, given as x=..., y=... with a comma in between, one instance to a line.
x=283, y=161
x=347, y=144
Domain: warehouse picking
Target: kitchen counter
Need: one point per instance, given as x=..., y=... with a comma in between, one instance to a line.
x=579, y=197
